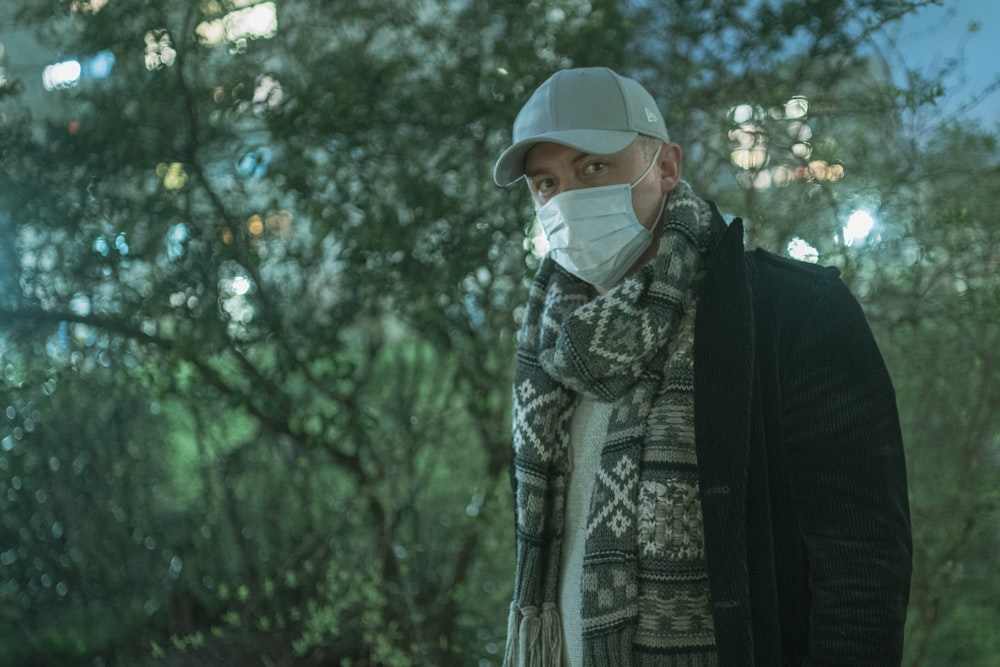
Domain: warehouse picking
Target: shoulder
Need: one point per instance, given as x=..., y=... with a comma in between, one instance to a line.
x=764, y=269
x=775, y=285
x=775, y=270
x=791, y=282
x=792, y=298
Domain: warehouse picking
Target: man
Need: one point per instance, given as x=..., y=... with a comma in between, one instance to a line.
x=707, y=463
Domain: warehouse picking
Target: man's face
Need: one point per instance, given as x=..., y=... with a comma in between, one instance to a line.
x=554, y=168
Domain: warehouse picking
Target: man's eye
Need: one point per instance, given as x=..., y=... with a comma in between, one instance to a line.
x=543, y=185
x=595, y=167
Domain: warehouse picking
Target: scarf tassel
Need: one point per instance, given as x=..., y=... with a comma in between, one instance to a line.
x=534, y=639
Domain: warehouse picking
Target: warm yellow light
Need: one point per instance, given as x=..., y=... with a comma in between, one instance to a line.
x=818, y=169
x=173, y=175
x=210, y=32
x=255, y=225
x=254, y=21
x=749, y=158
x=822, y=170
x=87, y=6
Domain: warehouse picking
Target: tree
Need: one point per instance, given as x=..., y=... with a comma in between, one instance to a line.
x=258, y=323
x=286, y=254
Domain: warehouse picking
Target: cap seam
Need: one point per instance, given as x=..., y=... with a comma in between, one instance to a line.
x=620, y=85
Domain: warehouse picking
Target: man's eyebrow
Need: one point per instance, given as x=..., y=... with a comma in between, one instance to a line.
x=531, y=173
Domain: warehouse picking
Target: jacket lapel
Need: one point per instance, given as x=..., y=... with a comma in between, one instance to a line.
x=724, y=353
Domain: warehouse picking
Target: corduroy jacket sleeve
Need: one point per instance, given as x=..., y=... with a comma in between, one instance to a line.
x=843, y=458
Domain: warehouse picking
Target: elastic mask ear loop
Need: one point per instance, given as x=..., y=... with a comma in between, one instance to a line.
x=649, y=168
x=659, y=216
x=663, y=203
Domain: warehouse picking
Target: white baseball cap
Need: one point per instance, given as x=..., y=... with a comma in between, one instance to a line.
x=591, y=109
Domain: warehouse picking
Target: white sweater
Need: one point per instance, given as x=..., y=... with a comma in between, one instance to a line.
x=589, y=428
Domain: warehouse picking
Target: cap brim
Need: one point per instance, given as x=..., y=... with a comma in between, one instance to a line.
x=510, y=167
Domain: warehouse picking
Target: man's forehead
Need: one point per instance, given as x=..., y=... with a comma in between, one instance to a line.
x=546, y=151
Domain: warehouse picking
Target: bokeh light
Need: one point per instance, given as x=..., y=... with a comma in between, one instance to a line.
x=65, y=74
x=799, y=248
x=173, y=175
x=859, y=226
x=256, y=22
x=160, y=51
x=764, y=159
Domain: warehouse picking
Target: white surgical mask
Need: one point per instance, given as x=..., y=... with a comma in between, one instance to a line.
x=594, y=233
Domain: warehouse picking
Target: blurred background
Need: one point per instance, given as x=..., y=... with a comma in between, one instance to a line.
x=258, y=299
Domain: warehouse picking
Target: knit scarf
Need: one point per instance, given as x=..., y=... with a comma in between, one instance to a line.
x=612, y=347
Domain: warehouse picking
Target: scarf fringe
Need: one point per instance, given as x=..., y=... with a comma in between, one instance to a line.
x=534, y=639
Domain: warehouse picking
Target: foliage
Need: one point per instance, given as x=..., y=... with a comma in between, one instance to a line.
x=306, y=356
x=259, y=300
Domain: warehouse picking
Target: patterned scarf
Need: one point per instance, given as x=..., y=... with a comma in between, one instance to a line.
x=614, y=347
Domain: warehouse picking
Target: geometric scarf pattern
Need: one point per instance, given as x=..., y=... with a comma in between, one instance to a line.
x=615, y=347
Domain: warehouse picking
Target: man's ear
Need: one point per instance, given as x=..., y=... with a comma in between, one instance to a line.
x=669, y=163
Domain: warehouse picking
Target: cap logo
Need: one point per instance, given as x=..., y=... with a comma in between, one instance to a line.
x=650, y=115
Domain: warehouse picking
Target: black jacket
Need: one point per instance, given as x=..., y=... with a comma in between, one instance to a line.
x=800, y=458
